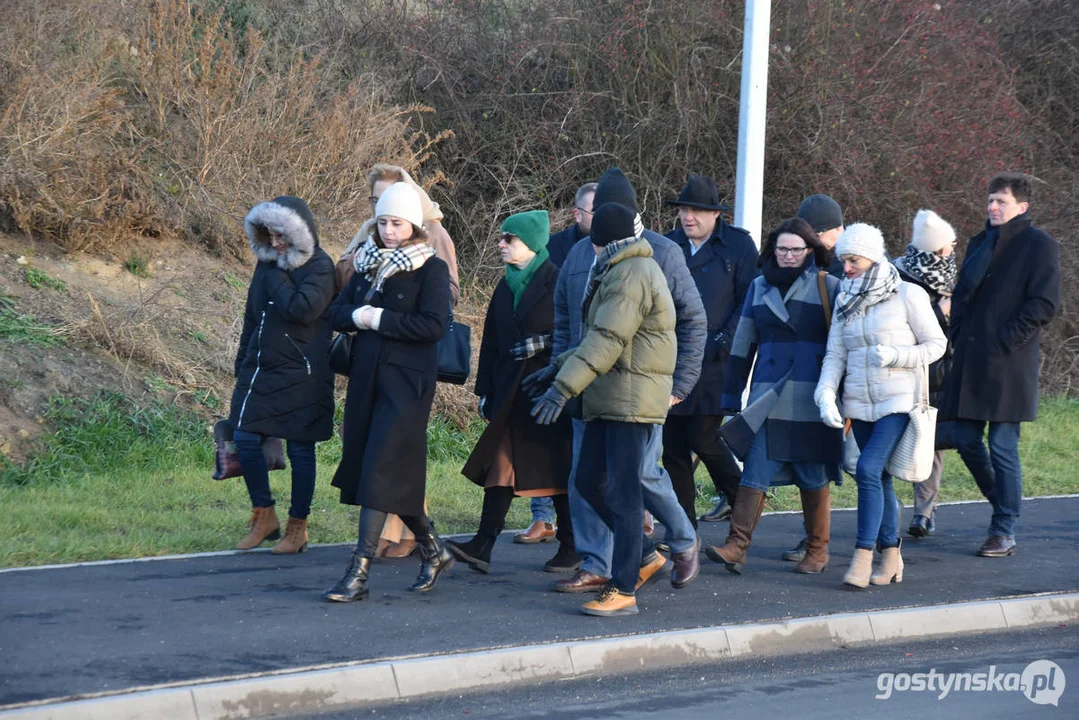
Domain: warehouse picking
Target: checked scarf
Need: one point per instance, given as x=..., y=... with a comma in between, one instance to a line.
x=378, y=264
x=856, y=295
x=531, y=346
x=933, y=270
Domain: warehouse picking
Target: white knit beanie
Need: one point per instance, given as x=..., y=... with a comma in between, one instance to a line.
x=861, y=239
x=931, y=233
x=401, y=201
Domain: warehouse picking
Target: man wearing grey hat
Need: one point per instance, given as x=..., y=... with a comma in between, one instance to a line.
x=826, y=218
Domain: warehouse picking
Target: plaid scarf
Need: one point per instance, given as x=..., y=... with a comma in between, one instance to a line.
x=600, y=267
x=531, y=346
x=930, y=269
x=378, y=264
x=856, y=295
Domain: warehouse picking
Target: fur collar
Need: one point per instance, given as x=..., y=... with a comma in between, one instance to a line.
x=283, y=219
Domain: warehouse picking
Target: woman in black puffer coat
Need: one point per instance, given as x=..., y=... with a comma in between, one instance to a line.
x=284, y=387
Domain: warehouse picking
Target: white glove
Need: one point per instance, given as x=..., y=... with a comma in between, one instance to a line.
x=883, y=355
x=829, y=413
x=366, y=317
x=823, y=393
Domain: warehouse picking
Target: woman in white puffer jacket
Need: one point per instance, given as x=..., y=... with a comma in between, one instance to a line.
x=883, y=333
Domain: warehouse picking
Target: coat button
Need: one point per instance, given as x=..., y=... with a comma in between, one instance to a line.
x=400, y=296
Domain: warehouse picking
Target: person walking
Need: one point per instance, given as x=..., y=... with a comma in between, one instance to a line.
x=396, y=304
x=1008, y=290
x=284, y=387
x=784, y=330
x=624, y=369
x=514, y=455
x=883, y=332
x=723, y=262
x=929, y=263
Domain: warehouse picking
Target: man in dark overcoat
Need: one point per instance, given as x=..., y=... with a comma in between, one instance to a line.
x=1008, y=289
x=723, y=262
x=561, y=242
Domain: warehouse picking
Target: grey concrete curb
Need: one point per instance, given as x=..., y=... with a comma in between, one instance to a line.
x=352, y=685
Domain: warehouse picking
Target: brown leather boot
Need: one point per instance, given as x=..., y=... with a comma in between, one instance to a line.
x=748, y=506
x=817, y=511
x=262, y=526
x=295, y=540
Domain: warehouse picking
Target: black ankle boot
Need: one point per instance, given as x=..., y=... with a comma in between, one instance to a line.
x=353, y=586
x=476, y=552
x=436, y=560
x=566, y=560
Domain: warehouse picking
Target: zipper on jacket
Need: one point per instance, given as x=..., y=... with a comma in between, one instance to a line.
x=258, y=364
x=305, y=360
x=865, y=339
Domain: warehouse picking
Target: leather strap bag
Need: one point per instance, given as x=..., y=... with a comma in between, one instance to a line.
x=455, y=353
x=912, y=459
x=341, y=353
x=227, y=460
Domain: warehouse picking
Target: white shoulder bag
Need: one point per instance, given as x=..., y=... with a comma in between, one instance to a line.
x=912, y=459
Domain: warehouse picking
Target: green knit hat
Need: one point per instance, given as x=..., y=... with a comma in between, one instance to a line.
x=533, y=227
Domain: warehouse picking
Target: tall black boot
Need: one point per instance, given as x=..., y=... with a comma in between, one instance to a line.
x=436, y=558
x=566, y=559
x=477, y=551
x=353, y=586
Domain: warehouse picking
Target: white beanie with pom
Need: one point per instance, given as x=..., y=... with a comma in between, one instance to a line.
x=402, y=201
x=931, y=232
x=863, y=240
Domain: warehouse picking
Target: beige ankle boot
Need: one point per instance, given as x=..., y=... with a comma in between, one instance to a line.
x=891, y=566
x=295, y=540
x=262, y=526
x=861, y=565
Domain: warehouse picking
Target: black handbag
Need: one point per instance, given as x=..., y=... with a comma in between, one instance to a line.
x=455, y=353
x=341, y=353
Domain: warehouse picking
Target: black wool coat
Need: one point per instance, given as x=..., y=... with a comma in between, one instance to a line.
x=284, y=386
x=941, y=369
x=541, y=453
x=723, y=269
x=996, y=334
x=391, y=386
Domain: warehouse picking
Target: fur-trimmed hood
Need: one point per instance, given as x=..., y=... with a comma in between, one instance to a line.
x=289, y=216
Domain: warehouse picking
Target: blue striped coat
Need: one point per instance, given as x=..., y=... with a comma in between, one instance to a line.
x=788, y=337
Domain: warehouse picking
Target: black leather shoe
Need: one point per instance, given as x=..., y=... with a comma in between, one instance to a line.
x=353, y=586
x=920, y=526
x=436, y=560
x=997, y=546
x=720, y=512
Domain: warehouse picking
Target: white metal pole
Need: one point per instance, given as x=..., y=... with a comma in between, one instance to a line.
x=749, y=183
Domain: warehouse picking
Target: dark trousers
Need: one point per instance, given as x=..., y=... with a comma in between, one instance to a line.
x=686, y=434
x=609, y=470
x=371, y=523
x=300, y=455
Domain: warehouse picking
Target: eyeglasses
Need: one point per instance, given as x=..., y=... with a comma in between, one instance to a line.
x=791, y=251
x=373, y=199
x=586, y=212
x=506, y=238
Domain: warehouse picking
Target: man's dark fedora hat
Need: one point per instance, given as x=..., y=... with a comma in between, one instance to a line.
x=699, y=192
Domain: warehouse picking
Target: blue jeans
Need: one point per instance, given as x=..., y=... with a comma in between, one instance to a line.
x=878, y=515
x=301, y=455
x=542, y=510
x=593, y=539
x=759, y=471
x=997, y=471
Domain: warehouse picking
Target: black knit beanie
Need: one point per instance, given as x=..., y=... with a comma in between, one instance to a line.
x=611, y=222
x=614, y=187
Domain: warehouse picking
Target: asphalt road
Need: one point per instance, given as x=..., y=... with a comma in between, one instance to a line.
x=831, y=685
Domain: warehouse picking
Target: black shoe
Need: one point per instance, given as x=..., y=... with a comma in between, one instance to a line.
x=921, y=526
x=662, y=547
x=436, y=560
x=353, y=586
x=797, y=553
x=566, y=560
x=476, y=552
x=720, y=512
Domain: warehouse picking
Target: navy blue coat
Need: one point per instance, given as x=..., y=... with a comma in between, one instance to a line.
x=391, y=385
x=559, y=244
x=722, y=269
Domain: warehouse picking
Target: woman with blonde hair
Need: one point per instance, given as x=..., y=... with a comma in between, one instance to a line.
x=396, y=304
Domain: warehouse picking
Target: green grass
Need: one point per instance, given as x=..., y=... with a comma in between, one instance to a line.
x=23, y=329
x=38, y=279
x=121, y=480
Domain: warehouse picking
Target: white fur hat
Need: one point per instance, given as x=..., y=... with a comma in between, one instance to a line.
x=931, y=233
x=861, y=239
x=400, y=200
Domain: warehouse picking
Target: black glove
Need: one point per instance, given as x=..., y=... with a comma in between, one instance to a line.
x=538, y=381
x=549, y=406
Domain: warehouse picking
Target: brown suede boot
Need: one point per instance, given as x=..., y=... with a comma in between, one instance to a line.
x=295, y=540
x=748, y=506
x=817, y=511
x=262, y=526
x=891, y=566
